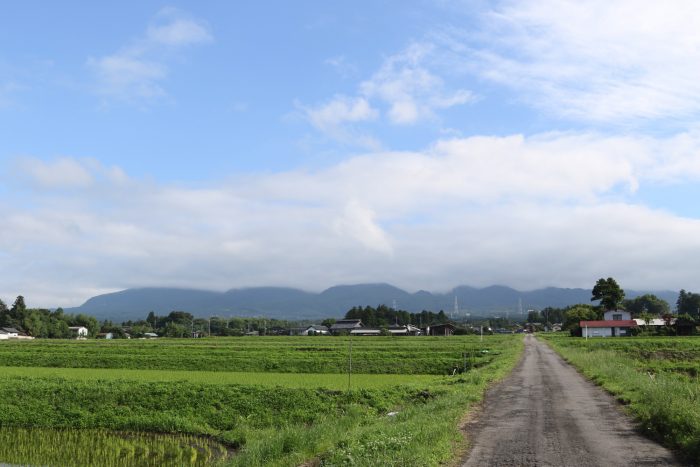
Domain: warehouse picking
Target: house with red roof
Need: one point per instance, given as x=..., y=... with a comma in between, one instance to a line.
x=615, y=323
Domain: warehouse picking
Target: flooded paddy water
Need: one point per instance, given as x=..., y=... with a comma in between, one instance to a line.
x=46, y=447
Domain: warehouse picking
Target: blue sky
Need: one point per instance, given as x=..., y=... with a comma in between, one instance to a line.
x=423, y=143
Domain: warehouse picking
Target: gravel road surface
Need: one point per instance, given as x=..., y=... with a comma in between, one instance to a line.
x=546, y=414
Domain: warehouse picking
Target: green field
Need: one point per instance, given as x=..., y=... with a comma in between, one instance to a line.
x=275, y=400
x=656, y=377
x=425, y=355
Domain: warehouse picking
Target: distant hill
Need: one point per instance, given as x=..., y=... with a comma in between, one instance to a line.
x=288, y=303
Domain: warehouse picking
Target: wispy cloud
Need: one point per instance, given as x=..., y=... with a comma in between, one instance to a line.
x=64, y=173
x=136, y=73
x=410, y=90
x=595, y=61
x=404, y=91
x=472, y=210
x=342, y=66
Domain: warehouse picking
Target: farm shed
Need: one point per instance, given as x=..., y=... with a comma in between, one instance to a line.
x=446, y=329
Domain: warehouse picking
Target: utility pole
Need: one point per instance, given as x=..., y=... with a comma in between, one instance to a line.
x=349, y=359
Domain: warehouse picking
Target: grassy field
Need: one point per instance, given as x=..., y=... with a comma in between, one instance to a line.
x=278, y=401
x=657, y=377
x=335, y=381
x=303, y=354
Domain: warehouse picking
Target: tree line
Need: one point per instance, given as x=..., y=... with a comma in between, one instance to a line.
x=384, y=316
x=40, y=322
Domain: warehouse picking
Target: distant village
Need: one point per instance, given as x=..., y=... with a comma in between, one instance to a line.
x=614, y=316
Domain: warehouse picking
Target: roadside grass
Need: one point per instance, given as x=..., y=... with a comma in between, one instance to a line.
x=275, y=419
x=665, y=402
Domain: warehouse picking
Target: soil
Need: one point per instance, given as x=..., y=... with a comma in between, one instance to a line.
x=546, y=414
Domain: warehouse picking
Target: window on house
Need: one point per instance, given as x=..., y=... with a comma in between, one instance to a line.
x=617, y=317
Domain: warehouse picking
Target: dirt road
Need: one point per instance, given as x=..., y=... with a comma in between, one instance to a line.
x=546, y=414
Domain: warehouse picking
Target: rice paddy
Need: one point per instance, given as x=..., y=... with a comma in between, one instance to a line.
x=270, y=401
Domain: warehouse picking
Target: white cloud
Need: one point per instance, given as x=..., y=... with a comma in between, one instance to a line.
x=404, y=87
x=410, y=90
x=336, y=119
x=340, y=110
x=65, y=173
x=61, y=173
x=358, y=223
x=128, y=78
x=135, y=73
x=598, y=60
x=179, y=32
x=552, y=209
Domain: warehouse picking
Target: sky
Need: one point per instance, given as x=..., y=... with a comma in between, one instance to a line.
x=422, y=143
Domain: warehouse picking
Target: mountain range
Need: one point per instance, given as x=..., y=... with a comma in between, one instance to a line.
x=294, y=304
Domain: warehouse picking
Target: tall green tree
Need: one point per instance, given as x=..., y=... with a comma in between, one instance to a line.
x=609, y=293
x=647, y=303
x=688, y=303
x=579, y=313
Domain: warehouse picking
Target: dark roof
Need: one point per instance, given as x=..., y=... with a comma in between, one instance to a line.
x=623, y=323
x=346, y=324
x=10, y=330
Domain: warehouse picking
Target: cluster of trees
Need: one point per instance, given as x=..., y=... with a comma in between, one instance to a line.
x=184, y=324
x=688, y=303
x=40, y=322
x=383, y=316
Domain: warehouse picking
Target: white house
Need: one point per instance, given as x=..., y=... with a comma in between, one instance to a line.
x=79, y=332
x=316, y=330
x=4, y=335
x=615, y=323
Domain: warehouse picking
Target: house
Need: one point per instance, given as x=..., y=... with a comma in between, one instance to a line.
x=446, y=329
x=615, y=323
x=150, y=335
x=79, y=332
x=12, y=333
x=105, y=335
x=315, y=330
x=4, y=335
x=345, y=325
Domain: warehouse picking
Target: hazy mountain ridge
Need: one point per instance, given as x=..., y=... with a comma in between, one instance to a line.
x=289, y=303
